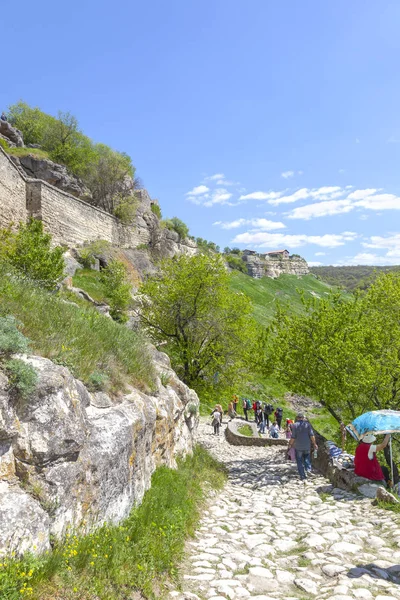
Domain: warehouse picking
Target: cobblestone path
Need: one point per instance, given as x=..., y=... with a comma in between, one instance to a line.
x=267, y=536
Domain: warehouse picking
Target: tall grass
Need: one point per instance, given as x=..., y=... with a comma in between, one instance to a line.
x=139, y=555
x=79, y=338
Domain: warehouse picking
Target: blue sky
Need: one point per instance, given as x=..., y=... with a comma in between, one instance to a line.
x=262, y=124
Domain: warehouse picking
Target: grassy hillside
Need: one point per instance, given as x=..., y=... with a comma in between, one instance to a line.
x=266, y=292
x=351, y=278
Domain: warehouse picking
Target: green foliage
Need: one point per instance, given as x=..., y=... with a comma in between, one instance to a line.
x=12, y=341
x=22, y=377
x=98, y=381
x=236, y=263
x=30, y=252
x=79, y=338
x=165, y=378
x=178, y=226
x=37, y=152
x=104, y=170
x=210, y=333
x=236, y=251
x=89, y=280
x=227, y=250
x=155, y=209
x=343, y=352
x=3, y=144
x=206, y=246
x=353, y=278
x=126, y=210
x=245, y=430
x=91, y=250
x=117, y=288
x=139, y=554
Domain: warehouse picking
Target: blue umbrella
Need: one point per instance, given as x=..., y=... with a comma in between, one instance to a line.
x=377, y=422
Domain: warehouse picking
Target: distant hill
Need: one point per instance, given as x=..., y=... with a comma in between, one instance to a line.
x=266, y=292
x=351, y=278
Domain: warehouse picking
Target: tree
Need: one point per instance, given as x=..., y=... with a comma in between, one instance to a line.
x=31, y=253
x=210, y=332
x=118, y=289
x=108, y=178
x=178, y=226
x=343, y=351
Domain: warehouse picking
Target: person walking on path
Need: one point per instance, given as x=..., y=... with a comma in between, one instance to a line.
x=235, y=400
x=246, y=407
x=268, y=410
x=231, y=410
x=216, y=420
x=279, y=416
x=302, y=438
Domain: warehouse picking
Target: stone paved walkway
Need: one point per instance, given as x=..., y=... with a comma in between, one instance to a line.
x=267, y=536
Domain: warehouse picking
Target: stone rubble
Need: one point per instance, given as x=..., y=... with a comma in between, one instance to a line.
x=268, y=536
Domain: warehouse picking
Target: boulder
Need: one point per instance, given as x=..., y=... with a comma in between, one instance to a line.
x=57, y=175
x=385, y=496
x=10, y=134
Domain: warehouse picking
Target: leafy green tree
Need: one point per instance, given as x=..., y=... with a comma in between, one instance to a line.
x=31, y=253
x=177, y=225
x=210, y=332
x=31, y=121
x=118, y=289
x=235, y=262
x=343, y=352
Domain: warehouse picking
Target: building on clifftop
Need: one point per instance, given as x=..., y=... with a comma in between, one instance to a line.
x=274, y=263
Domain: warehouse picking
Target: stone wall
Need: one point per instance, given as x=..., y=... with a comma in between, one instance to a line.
x=238, y=439
x=12, y=193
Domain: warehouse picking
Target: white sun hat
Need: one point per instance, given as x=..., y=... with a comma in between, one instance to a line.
x=369, y=438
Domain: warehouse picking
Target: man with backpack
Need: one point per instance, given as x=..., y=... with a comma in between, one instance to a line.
x=279, y=416
x=268, y=410
x=246, y=407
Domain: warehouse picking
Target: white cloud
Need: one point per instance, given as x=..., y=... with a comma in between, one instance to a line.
x=287, y=174
x=321, y=209
x=320, y=253
x=314, y=263
x=390, y=243
x=261, y=196
x=380, y=202
x=215, y=177
x=218, y=196
x=367, y=258
x=281, y=240
x=198, y=190
x=256, y=224
x=301, y=194
x=361, y=194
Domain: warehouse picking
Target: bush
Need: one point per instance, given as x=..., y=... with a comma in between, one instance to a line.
x=236, y=263
x=118, y=289
x=98, y=381
x=30, y=252
x=12, y=341
x=178, y=226
x=3, y=144
x=126, y=210
x=22, y=377
x=155, y=209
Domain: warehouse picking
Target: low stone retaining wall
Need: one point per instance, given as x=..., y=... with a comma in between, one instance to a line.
x=237, y=439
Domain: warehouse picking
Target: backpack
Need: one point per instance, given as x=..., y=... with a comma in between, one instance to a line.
x=248, y=404
x=279, y=412
x=268, y=409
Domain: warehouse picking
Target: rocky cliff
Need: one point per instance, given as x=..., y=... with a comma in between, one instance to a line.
x=71, y=458
x=265, y=266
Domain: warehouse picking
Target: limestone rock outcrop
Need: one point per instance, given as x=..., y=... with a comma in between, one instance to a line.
x=55, y=174
x=71, y=458
x=260, y=265
x=12, y=136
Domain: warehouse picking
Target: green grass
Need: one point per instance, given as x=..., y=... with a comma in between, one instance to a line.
x=89, y=281
x=265, y=293
x=37, y=152
x=138, y=555
x=79, y=338
x=245, y=430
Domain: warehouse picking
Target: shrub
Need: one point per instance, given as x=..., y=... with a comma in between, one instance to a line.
x=126, y=210
x=30, y=253
x=118, y=289
x=22, y=377
x=236, y=263
x=12, y=341
x=3, y=144
x=155, y=209
x=178, y=226
x=98, y=381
